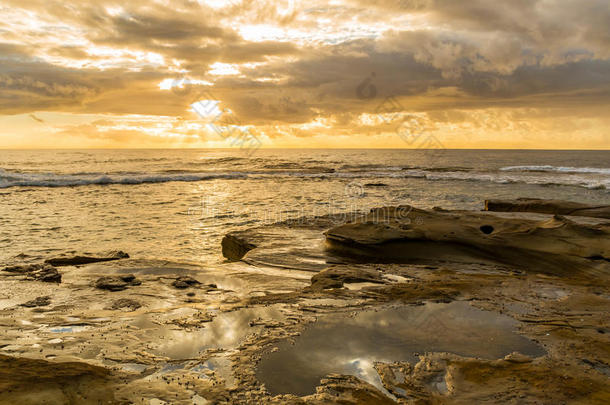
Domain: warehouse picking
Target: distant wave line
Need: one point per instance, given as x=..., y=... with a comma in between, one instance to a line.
x=18, y=179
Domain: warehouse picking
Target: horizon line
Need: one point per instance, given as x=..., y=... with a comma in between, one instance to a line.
x=302, y=148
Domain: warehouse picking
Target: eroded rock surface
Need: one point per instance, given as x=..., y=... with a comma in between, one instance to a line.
x=295, y=244
x=163, y=344
x=39, y=272
x=556, y=244
x=31, y=382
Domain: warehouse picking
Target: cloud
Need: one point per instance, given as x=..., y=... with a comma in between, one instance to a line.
x=294, y=63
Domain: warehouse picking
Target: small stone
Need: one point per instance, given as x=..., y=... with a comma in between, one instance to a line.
x=38, y=302
x=126, y=303
x=116, y=283
x=48, y=274
x=185, y=282
x=516, y=357
x=39, y=272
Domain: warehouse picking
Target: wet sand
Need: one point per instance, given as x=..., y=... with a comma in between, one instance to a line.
x=314, y=311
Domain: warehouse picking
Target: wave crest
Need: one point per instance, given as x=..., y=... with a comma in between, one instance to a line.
x=558, y=169
x=15, y=179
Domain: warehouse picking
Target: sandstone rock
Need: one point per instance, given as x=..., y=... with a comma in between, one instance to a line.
x=185, y=282
x=38, y=272
x=38, y=302
x=359, y=392
x=234, y=248
x=117, y=283
x=34, y=381
x=86, y=259
x=46, y=274
x=126, y=303
x=554, y=207
x=296, y=244
x=554, y=245
x=334, y=277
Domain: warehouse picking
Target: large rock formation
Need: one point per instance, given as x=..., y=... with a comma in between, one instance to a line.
x=554, y=207
x=555, y=244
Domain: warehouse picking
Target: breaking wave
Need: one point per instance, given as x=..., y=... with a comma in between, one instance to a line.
x=16, y=179
x=589, y=180
x=558, y=169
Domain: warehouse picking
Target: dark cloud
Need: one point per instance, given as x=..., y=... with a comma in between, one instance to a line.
x=449, y=55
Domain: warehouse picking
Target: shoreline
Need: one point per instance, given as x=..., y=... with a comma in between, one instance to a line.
x=133, y=330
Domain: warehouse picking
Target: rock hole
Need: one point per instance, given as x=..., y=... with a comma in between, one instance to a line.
x=598, y=257
x=487, y=229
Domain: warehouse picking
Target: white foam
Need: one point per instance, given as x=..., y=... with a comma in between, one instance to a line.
x=560, y=169
x=551, y=180
x=14, y=179
x=17, y=179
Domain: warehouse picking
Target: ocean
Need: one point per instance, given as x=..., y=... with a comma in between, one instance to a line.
x=176, y=205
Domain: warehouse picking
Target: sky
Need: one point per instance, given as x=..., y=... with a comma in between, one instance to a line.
x=310, y=74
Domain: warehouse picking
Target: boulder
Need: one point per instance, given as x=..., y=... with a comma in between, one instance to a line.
x=235, y=247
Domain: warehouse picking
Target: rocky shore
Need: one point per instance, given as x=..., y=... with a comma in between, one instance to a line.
x=398, y=305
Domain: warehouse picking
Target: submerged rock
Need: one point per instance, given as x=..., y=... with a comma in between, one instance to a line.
x=554, y=207
x=86, y=259
x=117, y=283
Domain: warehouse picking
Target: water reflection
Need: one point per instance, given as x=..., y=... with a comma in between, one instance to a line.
x=351, y=345
x=226, y=331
